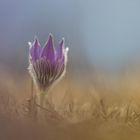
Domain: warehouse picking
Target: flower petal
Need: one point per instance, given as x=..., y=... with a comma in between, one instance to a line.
x=60, y=50
x=35, y=49
x=49, y=51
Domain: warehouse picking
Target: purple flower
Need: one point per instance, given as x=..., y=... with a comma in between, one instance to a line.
x=47, y=64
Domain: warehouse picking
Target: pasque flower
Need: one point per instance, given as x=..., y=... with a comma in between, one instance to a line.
x=47, y=64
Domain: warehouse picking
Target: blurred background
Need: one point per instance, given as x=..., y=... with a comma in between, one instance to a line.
x=105, y=34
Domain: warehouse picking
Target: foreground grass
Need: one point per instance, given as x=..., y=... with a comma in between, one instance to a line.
x=74, y=112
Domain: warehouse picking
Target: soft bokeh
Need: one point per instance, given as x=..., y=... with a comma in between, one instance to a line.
x=105, y=33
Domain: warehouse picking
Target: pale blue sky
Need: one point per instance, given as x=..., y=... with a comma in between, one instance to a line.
x=113, y=30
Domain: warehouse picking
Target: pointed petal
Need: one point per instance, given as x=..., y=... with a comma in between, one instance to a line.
x=35, y=49
x=60, y=50
x=49, y=51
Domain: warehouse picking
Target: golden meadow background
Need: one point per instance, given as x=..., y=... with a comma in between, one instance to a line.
x=99, y=97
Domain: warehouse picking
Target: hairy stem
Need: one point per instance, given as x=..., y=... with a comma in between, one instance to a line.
x=42, y=98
